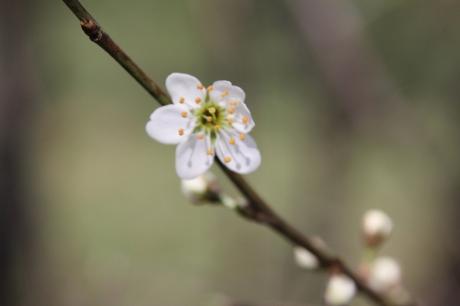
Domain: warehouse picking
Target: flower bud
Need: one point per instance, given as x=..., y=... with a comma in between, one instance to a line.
x=340, y=290
x=377, y=227
x=201, y=189
x=305, y=259
x=385, y=274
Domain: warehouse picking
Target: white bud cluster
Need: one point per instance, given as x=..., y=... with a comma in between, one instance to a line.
x=382, y=274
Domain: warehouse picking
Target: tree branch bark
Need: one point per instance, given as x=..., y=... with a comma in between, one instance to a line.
x=257, y=209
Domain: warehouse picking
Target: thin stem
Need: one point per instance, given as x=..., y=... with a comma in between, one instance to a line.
x=256, y=209
x=90, y=26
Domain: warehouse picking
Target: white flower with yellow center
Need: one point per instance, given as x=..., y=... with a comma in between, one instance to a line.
x=204, y=122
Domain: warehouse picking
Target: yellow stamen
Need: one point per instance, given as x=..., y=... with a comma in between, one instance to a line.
x=234, y=103
x=210, y=151
x=181, y=132
x=210, y=88
x=199, y=86
x=227, y=159
x=184, y=114
x=224, y=93
x=181, y=100
x=197, y=100
x=242, y=136
x=231, y=141
x=245, y=119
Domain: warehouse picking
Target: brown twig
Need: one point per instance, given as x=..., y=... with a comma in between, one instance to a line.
x=90, y=26
x=256, y=209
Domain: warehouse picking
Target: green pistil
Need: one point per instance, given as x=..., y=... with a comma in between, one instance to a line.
x=210, y=118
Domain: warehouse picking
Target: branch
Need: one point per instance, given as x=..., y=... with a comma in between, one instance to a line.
x=256, y=209
x=90, y=26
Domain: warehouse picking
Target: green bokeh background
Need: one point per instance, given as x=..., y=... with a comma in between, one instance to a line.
x=113, y=226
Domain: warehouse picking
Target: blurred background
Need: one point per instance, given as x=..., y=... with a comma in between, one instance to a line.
x=356, y=106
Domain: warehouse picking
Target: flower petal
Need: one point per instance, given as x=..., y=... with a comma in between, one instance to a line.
x=238, y=151
x=241, y=118
x=185, y=89
x=194, y=157
x=224, y=92
x=168, y=125
x=232, y=98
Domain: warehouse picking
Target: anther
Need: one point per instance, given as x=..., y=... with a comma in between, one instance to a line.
x=234, y=103
x=181, y=100
x=181, y=132
x=224, y=93
x=199, y=86
x=242, y=136
x=200, y=136
x=227, y=159
x=231, y=110
x=184, y=114
x=245, y=119
x=210, y=151
x=210, y=88
x=197, y=100
x=231, y=141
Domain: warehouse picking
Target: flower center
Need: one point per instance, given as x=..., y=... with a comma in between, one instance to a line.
x=210, y=118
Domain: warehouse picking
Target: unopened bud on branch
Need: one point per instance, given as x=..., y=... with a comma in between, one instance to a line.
x=305, y=259
x=340, y=290
x=377, y=227
x=385, y=274
x=202, y=189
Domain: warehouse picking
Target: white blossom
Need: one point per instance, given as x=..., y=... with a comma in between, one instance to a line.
x=340, y=290
x=205, y=122
x=385, y=274
x=305, y=259
x=377, y=226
